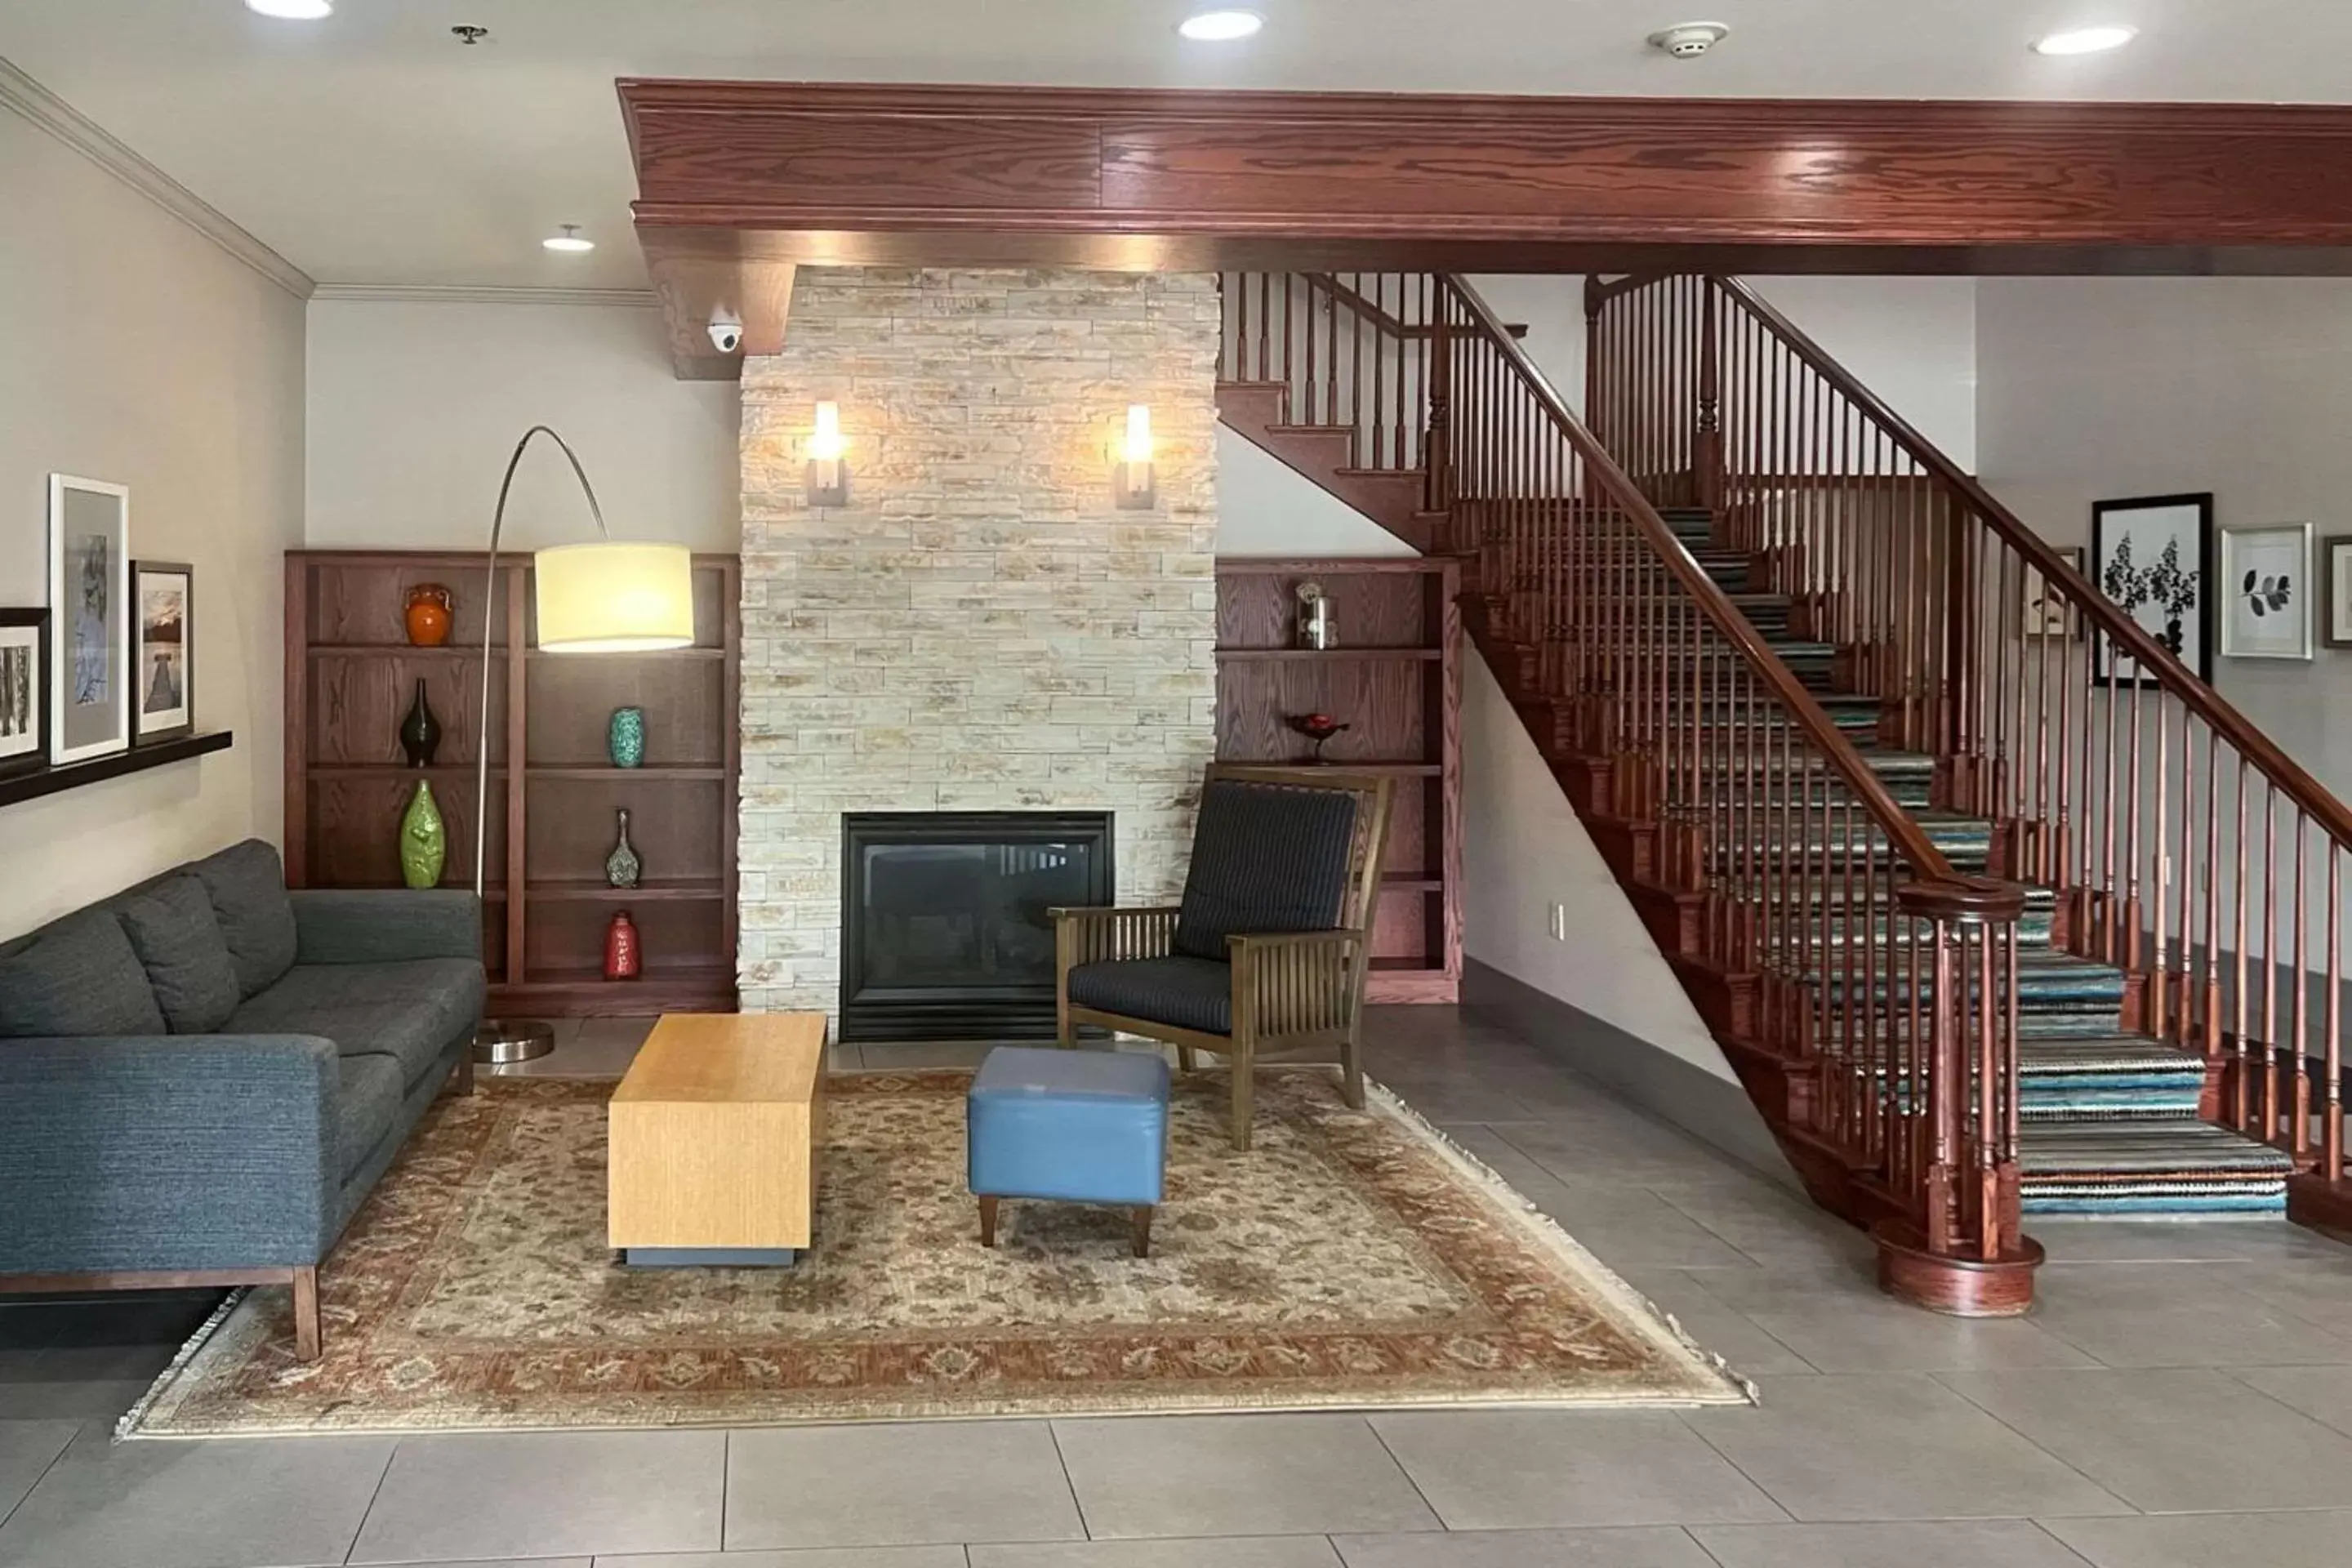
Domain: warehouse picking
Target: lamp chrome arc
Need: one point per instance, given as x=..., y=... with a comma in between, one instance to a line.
x=489, y=622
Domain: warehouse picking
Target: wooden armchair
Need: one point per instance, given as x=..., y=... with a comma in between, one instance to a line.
x=1269, y=949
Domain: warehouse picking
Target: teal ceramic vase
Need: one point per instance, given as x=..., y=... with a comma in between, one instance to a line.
x=620, y=867
x=424, y=840
x=627, y=739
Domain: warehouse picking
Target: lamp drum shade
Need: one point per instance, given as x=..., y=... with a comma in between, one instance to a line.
x=615, y=597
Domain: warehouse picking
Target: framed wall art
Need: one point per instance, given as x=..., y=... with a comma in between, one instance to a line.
x=2266, y=592
x=163, y=651
x=24, y=690
x=89, y=618
x=2153, y=557
x=2338, y=630
x=2045, y=611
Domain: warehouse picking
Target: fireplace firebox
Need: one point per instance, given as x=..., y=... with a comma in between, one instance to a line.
x=945, y=934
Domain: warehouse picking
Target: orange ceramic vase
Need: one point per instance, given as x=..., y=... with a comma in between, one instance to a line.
x=430, y=615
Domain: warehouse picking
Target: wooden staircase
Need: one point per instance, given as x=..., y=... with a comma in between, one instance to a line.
x=1935, y=890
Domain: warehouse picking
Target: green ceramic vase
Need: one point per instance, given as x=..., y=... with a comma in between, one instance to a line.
x=626, y=739
x=424, y=840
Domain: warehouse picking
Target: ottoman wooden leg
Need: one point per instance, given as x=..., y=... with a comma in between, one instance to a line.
x=988, y=1222
x=1143, y=1231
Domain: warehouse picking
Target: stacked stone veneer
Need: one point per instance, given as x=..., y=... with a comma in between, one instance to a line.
x=981, y=628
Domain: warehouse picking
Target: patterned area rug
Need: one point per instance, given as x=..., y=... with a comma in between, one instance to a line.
x=1351, y=1259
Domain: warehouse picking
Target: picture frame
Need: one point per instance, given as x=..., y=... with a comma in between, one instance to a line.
x=89, y=618
x=163, y=651
x=2045, y=615
x=2152, y=557
x=24, y=690
x=2265, y=591
x=2337, y=550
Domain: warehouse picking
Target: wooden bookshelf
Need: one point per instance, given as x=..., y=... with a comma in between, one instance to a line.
x=1396, y=677
x=351, y=675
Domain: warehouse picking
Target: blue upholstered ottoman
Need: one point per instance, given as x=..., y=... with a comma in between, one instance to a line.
x=1089, y=1127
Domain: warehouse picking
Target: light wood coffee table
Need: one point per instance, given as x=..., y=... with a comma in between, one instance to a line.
x=713, y=1140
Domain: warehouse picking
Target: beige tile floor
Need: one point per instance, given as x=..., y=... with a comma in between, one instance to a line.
x=2182, y=1397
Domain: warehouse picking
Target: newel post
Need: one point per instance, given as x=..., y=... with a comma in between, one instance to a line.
x=1959, y=1245
x=1706, y=442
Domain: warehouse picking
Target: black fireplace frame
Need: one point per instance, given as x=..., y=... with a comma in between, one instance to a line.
x=956, y=1013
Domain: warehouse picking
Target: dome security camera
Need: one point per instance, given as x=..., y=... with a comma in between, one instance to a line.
x=726, y=331
x=1688, y=40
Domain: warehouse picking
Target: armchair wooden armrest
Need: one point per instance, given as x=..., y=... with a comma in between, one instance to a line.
x=1096, y=935
x=1294, y=985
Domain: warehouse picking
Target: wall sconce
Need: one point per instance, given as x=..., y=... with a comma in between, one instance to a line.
x=828, y=476
x=1131, y=474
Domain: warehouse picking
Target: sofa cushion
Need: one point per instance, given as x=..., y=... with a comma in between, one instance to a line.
x=1190, y=993
x=246, y=884
x=179, y=943
x=1265, y=858
x=410, y=1012
x=77, y=978
x=367, y=1104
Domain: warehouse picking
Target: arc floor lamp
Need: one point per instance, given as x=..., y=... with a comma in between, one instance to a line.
x=609, y=595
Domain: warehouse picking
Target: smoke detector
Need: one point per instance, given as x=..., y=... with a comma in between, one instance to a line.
x=1688, y=40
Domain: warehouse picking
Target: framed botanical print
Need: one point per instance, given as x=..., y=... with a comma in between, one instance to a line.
x=2266, y=592
x=2045, y=611
x=2153, y=557
x=2338, y=630
x=163, y=651
x=89, y=618
x=24, y=690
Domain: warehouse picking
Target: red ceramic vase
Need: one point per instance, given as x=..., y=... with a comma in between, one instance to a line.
x=622, y=959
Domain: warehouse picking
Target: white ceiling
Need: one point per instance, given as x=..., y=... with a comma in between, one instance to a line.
x=372, y=148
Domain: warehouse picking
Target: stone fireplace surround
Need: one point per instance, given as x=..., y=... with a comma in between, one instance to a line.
x=980, y=628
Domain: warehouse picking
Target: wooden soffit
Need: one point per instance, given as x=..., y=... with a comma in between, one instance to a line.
x=736, y=176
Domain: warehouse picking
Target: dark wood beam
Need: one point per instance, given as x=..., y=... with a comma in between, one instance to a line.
x=733, y=173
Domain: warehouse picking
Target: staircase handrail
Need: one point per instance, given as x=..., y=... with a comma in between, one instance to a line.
x=2151, y=656
x=1978, y=895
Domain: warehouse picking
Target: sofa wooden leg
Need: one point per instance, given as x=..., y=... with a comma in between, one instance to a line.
x=465, y=1073
x=308, y=1342
x=1143, y=1231
x=1187, y=1059
x=988, y=1222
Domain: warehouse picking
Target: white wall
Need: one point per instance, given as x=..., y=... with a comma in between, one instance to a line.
x=415, y=406
x=1523, y=851
x=1264, y=507
x=136, y=351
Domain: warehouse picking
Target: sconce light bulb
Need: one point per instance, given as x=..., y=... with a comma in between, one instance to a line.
x=825, y=443
x=1137, y=448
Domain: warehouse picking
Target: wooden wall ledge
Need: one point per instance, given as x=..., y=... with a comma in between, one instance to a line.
x=32, y=785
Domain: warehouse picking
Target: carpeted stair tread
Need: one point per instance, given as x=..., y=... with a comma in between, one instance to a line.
x=2123, y=1152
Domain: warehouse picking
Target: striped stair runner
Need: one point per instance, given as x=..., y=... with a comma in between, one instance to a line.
x=2110, y=1119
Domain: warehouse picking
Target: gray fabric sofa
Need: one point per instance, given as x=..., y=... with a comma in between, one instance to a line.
x=202, y=1077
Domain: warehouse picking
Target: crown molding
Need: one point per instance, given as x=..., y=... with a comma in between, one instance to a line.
x=460, y=294
x=76, y=129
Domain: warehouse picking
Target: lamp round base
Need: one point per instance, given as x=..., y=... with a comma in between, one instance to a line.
x=498, y=1042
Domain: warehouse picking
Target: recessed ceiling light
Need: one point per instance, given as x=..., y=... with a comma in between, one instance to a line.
x=571, y=241
x=1220, y=26
x=292, y=10
x=2084, y=40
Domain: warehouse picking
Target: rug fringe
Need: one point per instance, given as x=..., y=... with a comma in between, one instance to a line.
x=126, y=1427
x=1558, y=1236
